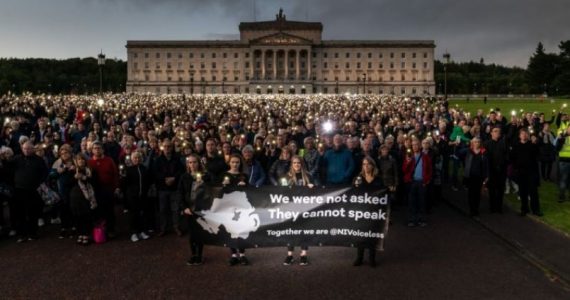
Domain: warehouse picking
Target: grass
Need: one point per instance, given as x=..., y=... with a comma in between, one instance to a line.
x=557, y=215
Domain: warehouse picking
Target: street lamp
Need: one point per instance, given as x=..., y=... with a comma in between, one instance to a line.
x=101, y=63
x=223, y=85
x=446, y=58
x=475, y=88
x=364, y=79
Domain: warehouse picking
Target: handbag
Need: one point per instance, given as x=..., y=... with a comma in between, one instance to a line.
x=49, y=196
x=99, y=233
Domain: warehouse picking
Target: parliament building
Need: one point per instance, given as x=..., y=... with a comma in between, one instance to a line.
x=282, y=57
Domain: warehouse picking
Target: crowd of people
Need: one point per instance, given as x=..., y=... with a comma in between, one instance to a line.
x=69, y=159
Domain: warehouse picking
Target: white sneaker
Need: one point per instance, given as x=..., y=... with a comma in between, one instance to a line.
x=55, y=221
x=41, y=222
x=134, y=238
x=143, y=236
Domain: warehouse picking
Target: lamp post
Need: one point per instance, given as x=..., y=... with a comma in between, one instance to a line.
x=336, y=88
x=364, y=86
x=101, y=63
x=475, y=88
x=49, y=88
x=223, y=85
x=446, y=58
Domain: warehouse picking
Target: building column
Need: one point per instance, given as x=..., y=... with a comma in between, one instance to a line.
x=297, y=55
x=274, y=64
x=309, y=65
x=262, y=64
x=286, y=64
x=251, y=63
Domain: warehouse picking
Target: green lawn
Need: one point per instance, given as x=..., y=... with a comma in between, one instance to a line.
x=556, y=214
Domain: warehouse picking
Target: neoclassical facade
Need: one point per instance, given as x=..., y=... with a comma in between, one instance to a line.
x=281, y=57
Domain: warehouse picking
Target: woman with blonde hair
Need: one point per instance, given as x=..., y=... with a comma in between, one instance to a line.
x=298, y=176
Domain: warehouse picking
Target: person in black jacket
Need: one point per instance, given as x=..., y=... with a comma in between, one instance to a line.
x=213, y=162
x=525, y=169
x=194, y=197
x=369, y=179
x=135, y=185
x=497, y=155
x=168, y=170
x=29, y=172
x=476, y=174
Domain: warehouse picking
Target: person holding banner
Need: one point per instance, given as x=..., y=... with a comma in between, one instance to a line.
x=369, y=178
x=194, y=196
x=235, y=178
x=298, y=176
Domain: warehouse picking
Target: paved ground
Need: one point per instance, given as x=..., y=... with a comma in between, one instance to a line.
x=454, y=257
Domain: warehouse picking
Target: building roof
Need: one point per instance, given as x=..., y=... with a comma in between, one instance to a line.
x=378, y=43
x=187, y=44
x=280, y=23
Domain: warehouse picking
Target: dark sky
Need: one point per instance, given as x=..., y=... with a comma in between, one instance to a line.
x=501, y=31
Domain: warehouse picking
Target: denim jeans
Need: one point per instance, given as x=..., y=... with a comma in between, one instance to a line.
x=168, y=207
x=416, y=202
x=564, y=171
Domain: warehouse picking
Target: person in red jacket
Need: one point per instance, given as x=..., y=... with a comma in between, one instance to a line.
x=417, y=168
x=106, y=183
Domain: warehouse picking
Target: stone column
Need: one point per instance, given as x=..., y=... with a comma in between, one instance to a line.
x=297, y=55
x=286, y=64
x=274, y=64
x=262, y=64
x=309, y=65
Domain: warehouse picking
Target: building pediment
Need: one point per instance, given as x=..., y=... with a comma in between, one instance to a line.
x=281, y=38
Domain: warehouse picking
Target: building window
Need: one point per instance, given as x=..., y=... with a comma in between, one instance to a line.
x=146, y=78
x=403, y=54
x=136, y=66
x=414, y=55
x=325, y=55
x=146, y=65
x=369, y=65
x=214, y=55
x=246, y=77
x=191, y=55
x=381, y=55
x=236, y=55
x=391, y=54
x=413, y=65
x=391, y=78
x=425, y=54
x=358, y=55
x=180, y=55
x=213, y=65
x=369, y=54
x=336, y=55
x=348, y=65
x=168, y=55
x=236, y=78
x=381, y=66
x=403, y=91
x=425, y=65
x=169, y=78
x=247, y=55
x=358, y=65
x=202, y=65
x=157, y=55
x=391, y=65
x=201, y=55
x=403, y=77
x=146, y=55
x=158, y=65
x=225, y=55
x=191, y=66
x=179, y=78
x=314, y=55
x=336, y=66
x=135, y=55
x=168, y=66
x=225, y=78
x=213, y=77
x=347, y=78
x=403, y=65
x=347, y=54
x=247, y=64
x=325, y=65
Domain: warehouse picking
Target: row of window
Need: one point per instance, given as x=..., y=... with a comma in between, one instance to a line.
x=236, y=55
x=270, y=65
x=258, y=76
x=271, y=90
